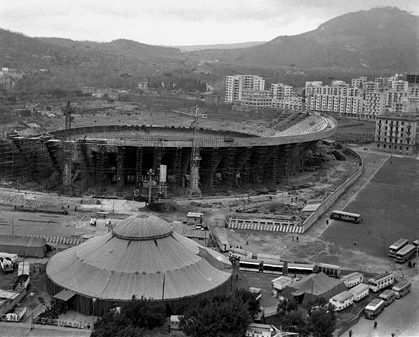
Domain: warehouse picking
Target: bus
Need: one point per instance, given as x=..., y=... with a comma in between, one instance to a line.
x=328, y=269
x=399, y=244
x=402, y=288
x=346, y=216
x=406, y=253
x=381, y=281
x=388, y=296
x=374, y=308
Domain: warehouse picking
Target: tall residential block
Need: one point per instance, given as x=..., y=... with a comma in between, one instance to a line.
x=236, y=84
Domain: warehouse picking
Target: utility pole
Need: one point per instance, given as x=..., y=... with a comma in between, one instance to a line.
x=194, y=190
x=150, y=183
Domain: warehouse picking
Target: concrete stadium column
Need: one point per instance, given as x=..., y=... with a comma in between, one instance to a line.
x=243, y=157
x=120, y=169
x=177, y=166
x=139, y=164
x=158, y=156
x=186, y=159
x=264, y=154
x=216, y=157
x=275, y=165
x=67, y=165
x=229, y=168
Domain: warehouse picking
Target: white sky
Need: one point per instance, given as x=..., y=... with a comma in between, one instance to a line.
x=178, y=22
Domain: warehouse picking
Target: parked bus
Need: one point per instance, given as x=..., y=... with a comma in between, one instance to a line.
x=374, y=308
x=402, y=288
x=399, y=244
x=360, y=291
x=388, y=296
x=328, y=269
x=353, y=279
x=342, y=300
x=381, y=281
x=346, y=216
x=406, y=253
x=300, y=268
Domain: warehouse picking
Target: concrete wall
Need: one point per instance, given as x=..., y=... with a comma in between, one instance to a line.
x=331, y=199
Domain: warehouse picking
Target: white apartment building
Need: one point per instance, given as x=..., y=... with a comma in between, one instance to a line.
x=400, y=86
x=397, y=134
x=281, y=91
x=373, y=104
x=369, y=86
x=236, y=84
x=357, y=82
x=253, y=99
x=291, y=103
x=310, y=86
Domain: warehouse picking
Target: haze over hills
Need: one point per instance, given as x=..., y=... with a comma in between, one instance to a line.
x=381, y=38
x=378, y=40
x=220, y=46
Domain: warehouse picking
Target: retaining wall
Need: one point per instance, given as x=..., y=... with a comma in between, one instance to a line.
x=331, y=199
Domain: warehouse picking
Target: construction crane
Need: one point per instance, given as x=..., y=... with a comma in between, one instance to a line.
x=194, y=191
x=68, y=111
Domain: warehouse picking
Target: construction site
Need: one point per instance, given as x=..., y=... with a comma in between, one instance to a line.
x=197, y=157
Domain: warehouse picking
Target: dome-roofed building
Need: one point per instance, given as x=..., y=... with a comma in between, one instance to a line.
x=142, y=256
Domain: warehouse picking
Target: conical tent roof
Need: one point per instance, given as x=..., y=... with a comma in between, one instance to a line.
x=142, y=256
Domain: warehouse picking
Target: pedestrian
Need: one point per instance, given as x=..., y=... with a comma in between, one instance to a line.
x=297, y=238
x=350, y=333
x=375, y=324
x=393, y=334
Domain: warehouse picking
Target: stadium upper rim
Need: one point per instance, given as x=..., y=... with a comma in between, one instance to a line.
x=320, y=127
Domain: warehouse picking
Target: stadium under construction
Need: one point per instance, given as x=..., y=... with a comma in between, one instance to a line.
x=125, y=155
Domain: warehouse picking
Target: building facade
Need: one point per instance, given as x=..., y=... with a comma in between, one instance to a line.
x=397, y=134
x=237, y=84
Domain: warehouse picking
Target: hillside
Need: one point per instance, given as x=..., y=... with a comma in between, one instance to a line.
x=221, y=46
x=72, y=64
x=386, y=39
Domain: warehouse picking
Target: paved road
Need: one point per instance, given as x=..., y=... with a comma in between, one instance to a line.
x=24, y=330
x=372, y=164
x=400, y=318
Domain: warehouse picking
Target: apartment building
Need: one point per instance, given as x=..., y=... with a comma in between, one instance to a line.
x=253, y=99
x=397, y=134
x=358, y=82
x=281, y=91
x=374, y=104
x=310, y=87
x=291, y=103
x=236, y=84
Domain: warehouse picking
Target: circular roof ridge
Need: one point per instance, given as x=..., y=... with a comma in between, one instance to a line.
x=142, y=227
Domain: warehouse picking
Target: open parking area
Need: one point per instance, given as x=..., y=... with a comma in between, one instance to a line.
x=388, y=205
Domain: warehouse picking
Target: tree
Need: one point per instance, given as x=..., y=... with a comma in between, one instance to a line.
x=293, y=321
x=133, y=318
x=322, y=322
x=223, y=316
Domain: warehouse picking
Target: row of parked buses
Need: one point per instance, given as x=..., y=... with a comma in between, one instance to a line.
x=403, y=251
x=377, y=305
x=283, y=267
x=358, y=290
